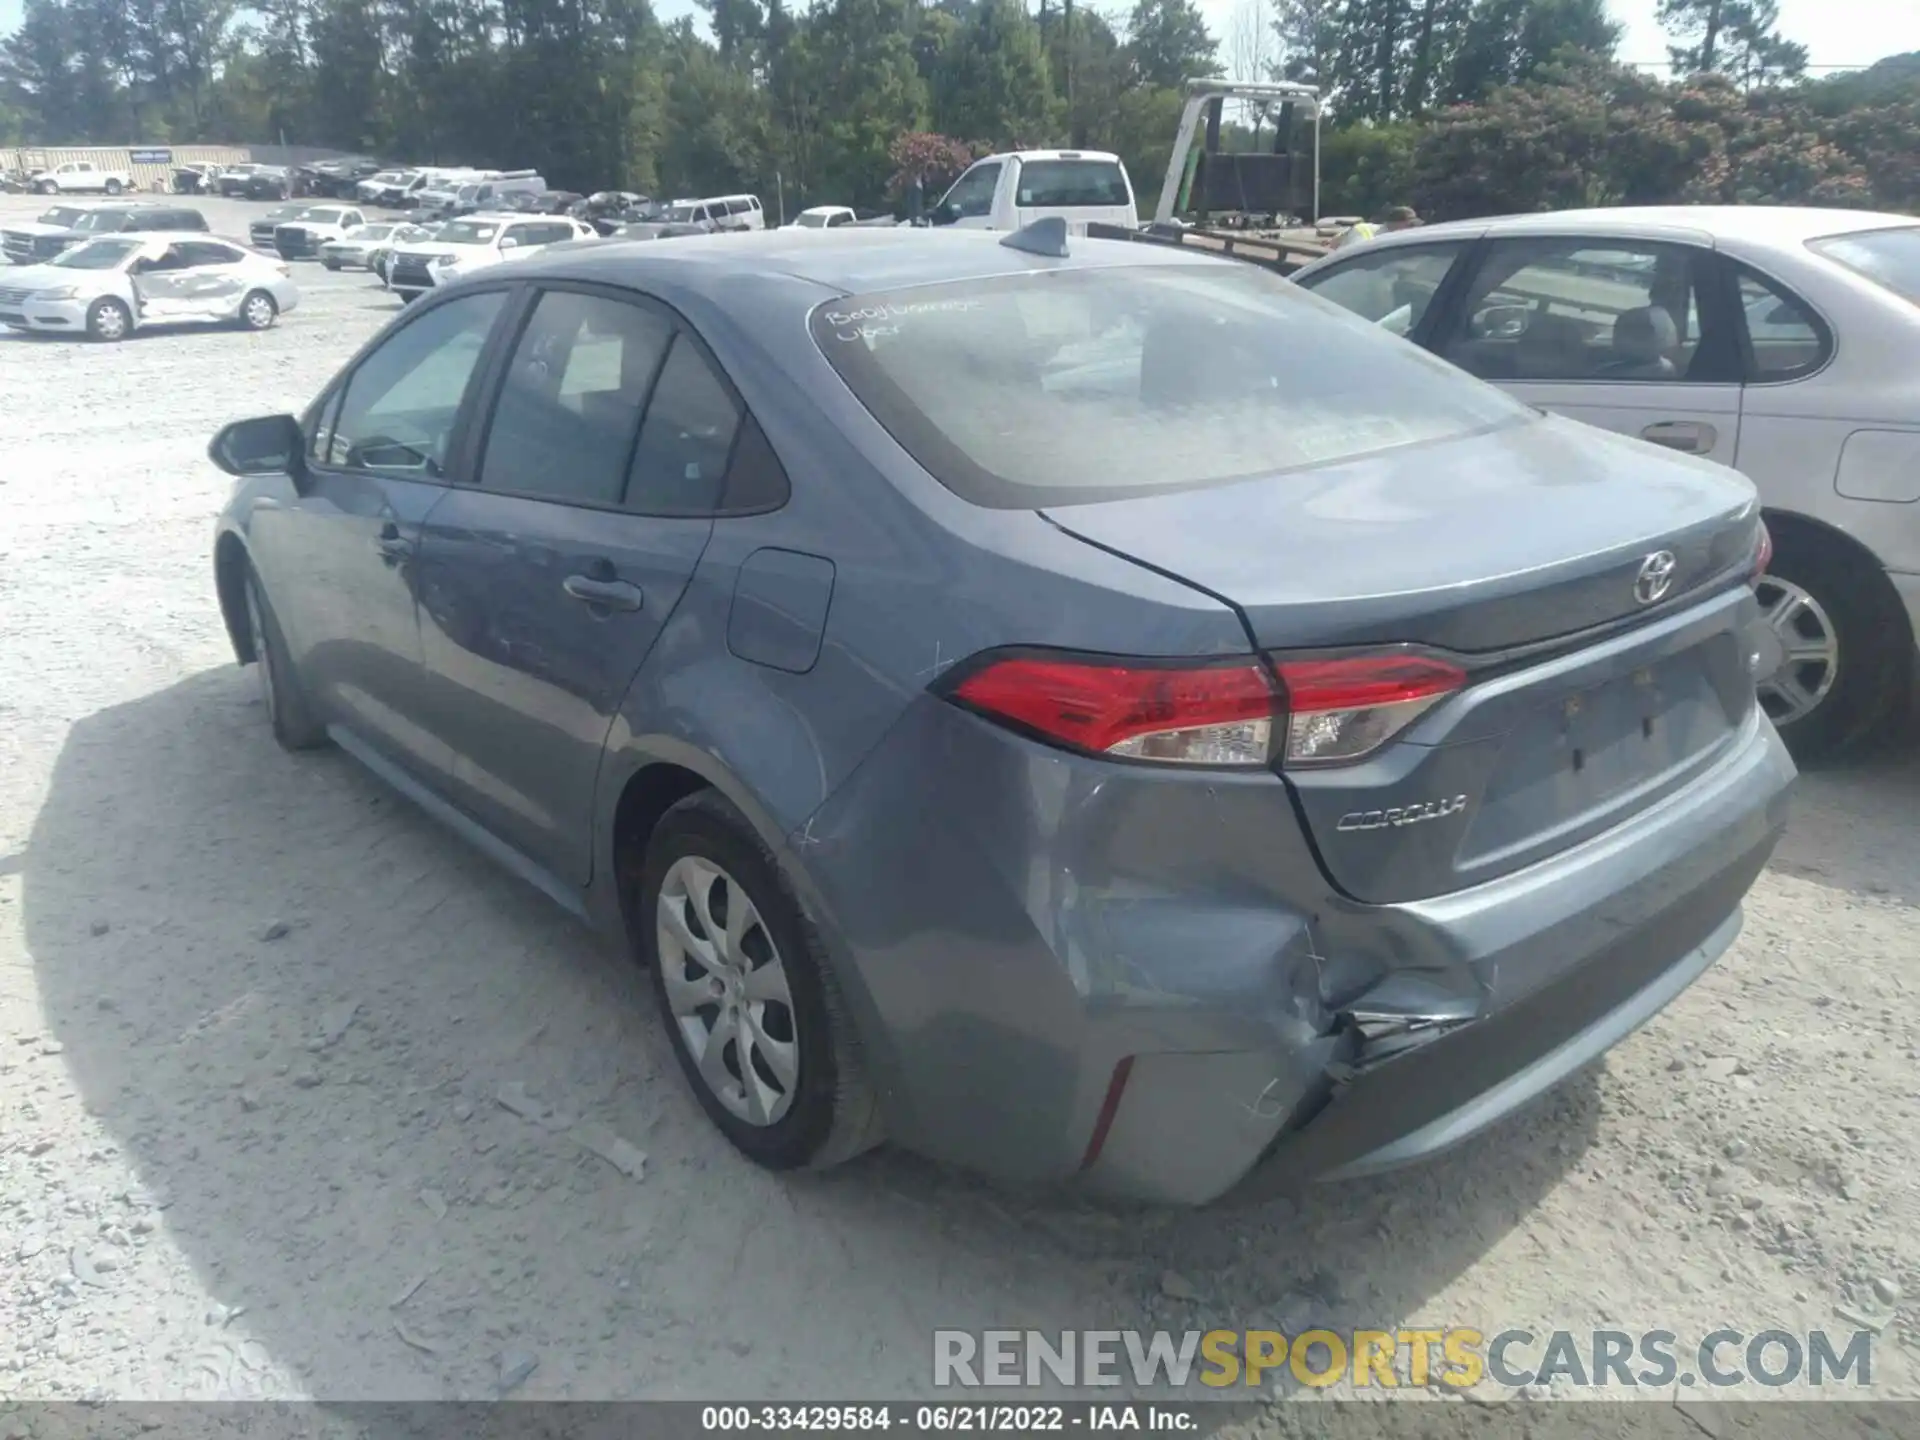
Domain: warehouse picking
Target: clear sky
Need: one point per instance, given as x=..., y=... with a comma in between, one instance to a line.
x=1835, y=32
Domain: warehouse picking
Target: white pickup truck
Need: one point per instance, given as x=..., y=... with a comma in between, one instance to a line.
x=81, y=177
x=1012, y=190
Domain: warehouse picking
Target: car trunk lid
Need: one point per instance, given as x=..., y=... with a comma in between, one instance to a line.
x=1589, y=587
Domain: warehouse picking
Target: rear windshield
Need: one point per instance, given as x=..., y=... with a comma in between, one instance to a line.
x=1067, y=183
x=1073, y=386
x=1890, y=258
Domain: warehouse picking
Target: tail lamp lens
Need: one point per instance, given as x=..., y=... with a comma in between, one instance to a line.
x=1201, y=715
x=1233, y=714
x=1763, y=551
x=1343, y=710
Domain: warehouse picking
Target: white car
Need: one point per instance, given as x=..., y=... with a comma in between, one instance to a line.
x=110, y=287
x=300, y=237
x=365, y=246
x=821, y=217
x=462, y=247
x=1782, y=341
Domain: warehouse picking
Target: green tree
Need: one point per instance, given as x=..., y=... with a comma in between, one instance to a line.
x=1308, y=33
x=990, y=78
x=1740, y=38
x=1169, y=44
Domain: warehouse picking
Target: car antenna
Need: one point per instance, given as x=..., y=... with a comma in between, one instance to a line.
x=1043, y=237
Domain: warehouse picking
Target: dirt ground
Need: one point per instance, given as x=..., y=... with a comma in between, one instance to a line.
x=256, y=1012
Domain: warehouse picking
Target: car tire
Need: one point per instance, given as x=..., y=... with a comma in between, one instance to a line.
x=258, y=310
x=109, y=321
x=1833, y=608
x=331, y=264
x=823, y=1111
x=289, y=714
x=47, y=187
x=113, y=187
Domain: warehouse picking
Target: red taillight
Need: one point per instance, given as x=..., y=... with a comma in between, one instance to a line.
x=1763, y=552
x=1330, y=711
x=1345, y=709
x=1182, y=714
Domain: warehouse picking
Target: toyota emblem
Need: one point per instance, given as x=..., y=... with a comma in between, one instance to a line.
x=1655, y=577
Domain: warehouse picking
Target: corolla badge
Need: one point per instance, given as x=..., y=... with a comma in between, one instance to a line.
x=1655, y=577
x=1417, y=813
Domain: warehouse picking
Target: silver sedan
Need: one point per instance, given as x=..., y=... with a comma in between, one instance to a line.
x=110, y=287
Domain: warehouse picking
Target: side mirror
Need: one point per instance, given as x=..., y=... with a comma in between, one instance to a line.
x=269, y=445
x=509, y=243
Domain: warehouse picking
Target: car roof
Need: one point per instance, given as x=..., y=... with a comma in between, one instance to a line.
x=1767, y=225
x=1051, y=155
x=850, y=260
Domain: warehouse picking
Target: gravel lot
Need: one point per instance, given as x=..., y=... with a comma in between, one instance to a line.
x=255, y=1014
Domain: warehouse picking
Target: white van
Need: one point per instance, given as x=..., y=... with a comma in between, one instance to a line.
x=1005, y=192
x=718, y=212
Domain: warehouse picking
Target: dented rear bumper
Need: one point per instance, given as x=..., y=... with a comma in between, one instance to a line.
x=1142, y=982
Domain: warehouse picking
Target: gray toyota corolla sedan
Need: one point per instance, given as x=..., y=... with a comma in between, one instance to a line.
x=1105, y=715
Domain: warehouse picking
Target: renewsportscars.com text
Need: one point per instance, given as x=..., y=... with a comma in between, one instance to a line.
x=1459, y=1357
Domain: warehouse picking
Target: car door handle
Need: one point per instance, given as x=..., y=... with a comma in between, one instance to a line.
x=609, y=594
x=1691, y=436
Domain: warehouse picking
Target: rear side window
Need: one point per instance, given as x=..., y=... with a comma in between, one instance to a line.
x=568, y=410
x=1889, y=258
x=687, y=438
x=1784, y=338
x=1082, y=385
x=1069, y=183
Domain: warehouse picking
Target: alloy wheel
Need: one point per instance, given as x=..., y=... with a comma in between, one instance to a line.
x=727, y=988
x=1809, y=655
x=257, y=312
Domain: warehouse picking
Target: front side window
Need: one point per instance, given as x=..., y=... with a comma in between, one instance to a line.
x=404, y=398
x=1392, y=288
x=972, y=194
x=98, y=255
x=1095, y=384
x=1558, y=309
x=1066, y=184
x=569, y=408
x=681, y=461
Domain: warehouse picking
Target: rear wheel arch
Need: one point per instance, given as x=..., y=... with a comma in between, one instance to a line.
x=1820, y=532
x=1877, y=663
x=647, y=795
